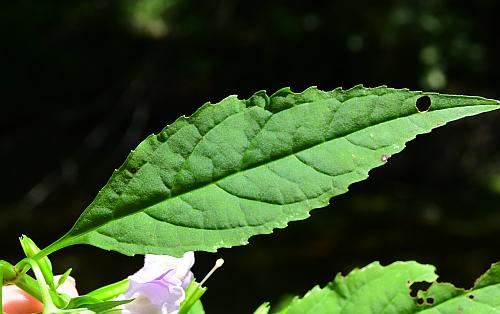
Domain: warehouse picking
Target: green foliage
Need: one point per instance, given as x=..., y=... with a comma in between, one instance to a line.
x=379, y=289
x=95, y=306
x=192, y=303
x=244, y=167
x=263, y=308
x=197, y=308
x=30, y=249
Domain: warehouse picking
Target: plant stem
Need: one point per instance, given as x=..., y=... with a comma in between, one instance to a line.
x=48, y=304
x=30, y=285
x=110, y=291
x=193, y=293
x=59, y=244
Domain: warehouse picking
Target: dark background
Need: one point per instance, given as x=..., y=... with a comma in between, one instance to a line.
x=83, y=82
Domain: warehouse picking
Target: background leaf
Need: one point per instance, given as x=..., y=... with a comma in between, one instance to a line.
x=378, y=289
x=243, y=167
x=372, y=289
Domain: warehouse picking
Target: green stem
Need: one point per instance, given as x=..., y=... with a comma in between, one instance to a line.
x=30, y=285
x=23, y=266
x=48, y=304
x=8, y=272
x=59, y=244
x=110, y=291
x=31, y=249
x=193, y=293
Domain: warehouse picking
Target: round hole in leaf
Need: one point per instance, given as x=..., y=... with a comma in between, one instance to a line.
x=133, y=170
x=420, y=301
x=429, y=300
x=423, y=103
x=471, y=296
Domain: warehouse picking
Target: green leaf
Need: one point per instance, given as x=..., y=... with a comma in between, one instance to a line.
x=372, y=289
x=244, y=167
x=378, y=289
x=263, y=308
x=105, y=305
x=80, y=301
x=94, y=305
x=64, y=277
x=483, y=298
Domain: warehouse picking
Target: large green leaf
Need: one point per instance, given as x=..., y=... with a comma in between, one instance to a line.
x=378, y=289
x=244, y=167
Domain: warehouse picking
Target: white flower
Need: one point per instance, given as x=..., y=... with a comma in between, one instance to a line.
x=159, y=287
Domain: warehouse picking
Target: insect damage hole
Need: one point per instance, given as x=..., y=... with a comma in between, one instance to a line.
x=418, y=286
x=133, y=170
x=423, y=103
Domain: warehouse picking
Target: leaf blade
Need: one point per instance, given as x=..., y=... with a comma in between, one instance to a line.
x=372, y=289
x=222, y=175
x=386, y=289
x=482, y=298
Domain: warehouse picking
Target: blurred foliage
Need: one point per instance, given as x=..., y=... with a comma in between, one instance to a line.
x=82, y=82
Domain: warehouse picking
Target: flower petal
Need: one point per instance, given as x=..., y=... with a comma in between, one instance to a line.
x=159, y=287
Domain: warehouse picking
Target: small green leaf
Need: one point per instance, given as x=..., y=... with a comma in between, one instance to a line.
x=63, y=277
x=244, y=167
x=104, y=306
x=79, y=301
x=94, y=305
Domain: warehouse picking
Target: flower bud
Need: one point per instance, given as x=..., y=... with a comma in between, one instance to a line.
x=30, y=249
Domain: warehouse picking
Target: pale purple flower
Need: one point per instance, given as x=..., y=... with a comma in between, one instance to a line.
x=159, y=287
